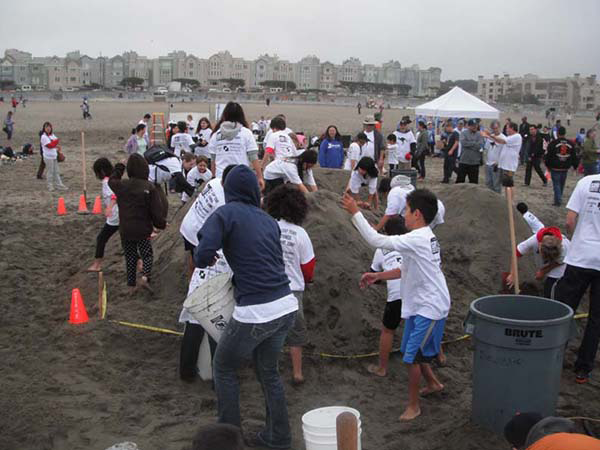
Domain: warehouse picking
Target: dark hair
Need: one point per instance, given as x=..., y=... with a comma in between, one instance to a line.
x=102, y=168
x=422, y=124
x=44, y=128
x=204, y=119
x=395, y=226
x=517, y=429
x=182, y=126
x=385, y=185
x=278, y=123
x=226, y=172
x=531, y=125
x=425, y=201
x=187, y=157
x=201, y=158
x=137, y=167
x=561, y=131
x=220, y=436
x=392, y=137
x=133, y=130
x=147, y=116
x=139, y=127
x=233, y=112
x=362, y=137
x=367, y=163
x=287, y=202
x=307, y=156
x=513, y=126
x=338, y=136
x=449, y=124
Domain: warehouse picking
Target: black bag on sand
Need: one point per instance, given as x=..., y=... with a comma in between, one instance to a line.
x=157, y=153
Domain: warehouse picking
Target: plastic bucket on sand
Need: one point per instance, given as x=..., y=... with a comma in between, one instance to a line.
x=212, y=303
x=319, y=427
x=519, y=344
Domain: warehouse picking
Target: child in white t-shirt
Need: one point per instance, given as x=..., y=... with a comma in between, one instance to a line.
x=299, y=174
x=385, y=261
x=391, y=153
x=425, y=296
x=364, y=174
x=289, y=206
x=197, y=175
x=103, y=169
x=182, y=141
x=355, y=151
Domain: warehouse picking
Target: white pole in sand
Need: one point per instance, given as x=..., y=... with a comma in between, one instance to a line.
x=83, y=165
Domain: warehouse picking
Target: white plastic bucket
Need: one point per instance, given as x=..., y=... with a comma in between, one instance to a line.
x=319, y=427
x=204, y=362
x=211, y=304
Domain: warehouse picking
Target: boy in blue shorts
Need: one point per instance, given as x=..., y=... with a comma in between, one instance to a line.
x=424, y=293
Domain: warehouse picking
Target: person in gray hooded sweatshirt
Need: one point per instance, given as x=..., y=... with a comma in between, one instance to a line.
x=233, y=143
x=471, y=143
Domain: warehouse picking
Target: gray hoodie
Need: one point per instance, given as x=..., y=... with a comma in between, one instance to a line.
x=229, y=130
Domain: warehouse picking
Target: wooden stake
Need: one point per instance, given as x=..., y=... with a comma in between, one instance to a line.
x=347, y=431
x=83, y=165
x=513, y=240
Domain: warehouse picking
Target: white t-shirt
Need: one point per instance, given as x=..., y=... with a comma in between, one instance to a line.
x=266, y=312
x=396, y=201
x=531, y=246
x=357, y=180
x=355, y=152
x=509, y=156
x=195, y=179
x=392, y=154
x=403, y=141
x=282, y=145
x=204, y=135
x=439, y=217
x=297, y=250
x=385, y=260
x=201, y=276
x=493, y=150
x=107, y=196
x=211, y=198
x=143, y=122
x=232, y=151
x=424, y=291
x=585, y=245
x=162, y=171
x=181, y=143
x=369, y=148
x=289, y=172
x=270, y=132
x=190, y=127
x=459, y=148
x=49, y=153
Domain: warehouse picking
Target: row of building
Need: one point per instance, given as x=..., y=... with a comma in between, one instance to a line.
x=575, y=92
x=76, y=70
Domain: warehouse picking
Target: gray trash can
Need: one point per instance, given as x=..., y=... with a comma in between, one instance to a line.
x=519, y=343
x=410, y=173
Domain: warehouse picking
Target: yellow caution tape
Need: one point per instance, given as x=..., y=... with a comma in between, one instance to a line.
x=147, y=327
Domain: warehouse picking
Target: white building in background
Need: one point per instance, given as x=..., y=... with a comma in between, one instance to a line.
x=574, y=92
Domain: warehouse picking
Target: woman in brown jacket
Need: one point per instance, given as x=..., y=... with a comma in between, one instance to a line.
x=140, y=211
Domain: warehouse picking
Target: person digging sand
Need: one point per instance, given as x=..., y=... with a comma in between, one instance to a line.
x=426, y=300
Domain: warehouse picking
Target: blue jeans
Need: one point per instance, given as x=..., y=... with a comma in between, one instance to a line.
x=261, y=342
x=559, y=178
x=492, y=178
x=590, y=169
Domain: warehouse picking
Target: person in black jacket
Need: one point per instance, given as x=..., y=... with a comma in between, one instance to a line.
x=524, y=132
x=535, y=155
x=140, y=210
x=561, y=155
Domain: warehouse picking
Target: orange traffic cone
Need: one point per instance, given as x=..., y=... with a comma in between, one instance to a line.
x=78, y=313
x=82, y=205
x=97, y=206
x=62, y=209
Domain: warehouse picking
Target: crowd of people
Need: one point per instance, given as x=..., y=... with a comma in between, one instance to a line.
x=249, y=204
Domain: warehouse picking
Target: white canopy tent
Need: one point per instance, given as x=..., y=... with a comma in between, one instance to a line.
x=458, y=103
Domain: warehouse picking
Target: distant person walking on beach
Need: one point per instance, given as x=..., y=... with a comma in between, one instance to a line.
x=358, y=108
x=51, y=149
x=9, y=126
x=14, y=103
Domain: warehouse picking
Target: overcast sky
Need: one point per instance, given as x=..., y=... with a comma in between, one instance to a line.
x=465, y=38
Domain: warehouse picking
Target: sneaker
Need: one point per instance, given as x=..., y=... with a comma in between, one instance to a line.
x=62, y=187
x=582, y=377
x=51, y=189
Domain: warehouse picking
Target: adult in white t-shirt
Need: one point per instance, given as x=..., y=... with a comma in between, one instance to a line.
x=583, y=267
x=405, y=140
x=508, y=159
x=50, y=150
x=493, y=150
x=234, y=143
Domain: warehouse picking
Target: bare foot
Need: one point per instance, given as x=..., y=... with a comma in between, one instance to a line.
x=441, y=359
x=145, y=284
x=428, y=390
x=376, y=370
x=298, y=381
x=410, y=414
x=140, y=266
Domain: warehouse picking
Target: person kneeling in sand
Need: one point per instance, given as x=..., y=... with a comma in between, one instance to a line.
x=424, y=293
x=364, y=174
x=385, y=261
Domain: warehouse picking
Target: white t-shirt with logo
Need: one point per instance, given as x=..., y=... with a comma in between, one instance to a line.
x=282, y=145
x=385, y=260
x=403, y=141
x=107, y=196
x=195, y=179
x=163, y=170
x=392, y=154
x=289, y=172
x=369, y=148
x=205, y=136
x=585, y=244
x=493, y=150
x=181, y=143
x=354, y=152
x=297, y=250
x=357, y=180
x=509, y=156
x=424, y=291
x=49, y=153
x=232, y=151
x=201, y=276
x=396, y=201
x=287, y=131
x=530, y=245
x=207, y=202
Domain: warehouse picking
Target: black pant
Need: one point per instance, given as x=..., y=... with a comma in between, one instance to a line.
x=569, y=290
x=472, y=171
x=135, y=250
x=449, y=162
x=536, y=164
x=420, y=164
x=548, y=287
x=103, y=237
x=190, y=346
